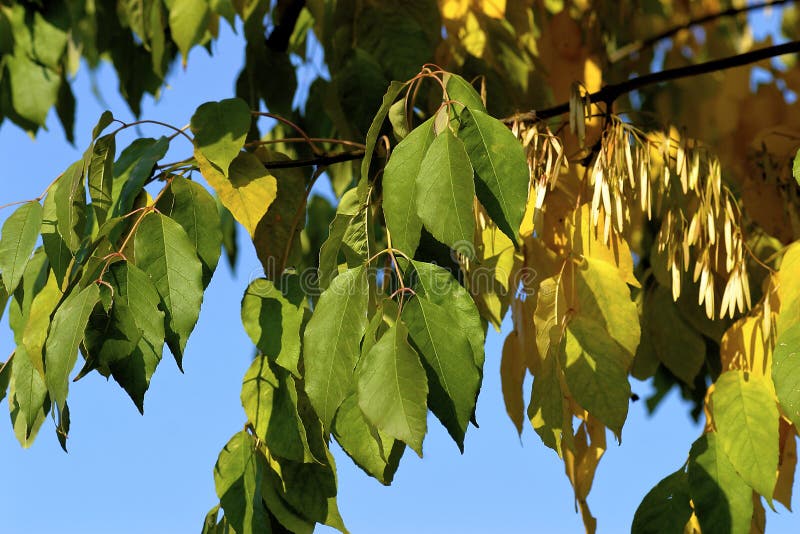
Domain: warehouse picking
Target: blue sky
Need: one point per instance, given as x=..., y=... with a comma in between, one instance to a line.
x=128, y=473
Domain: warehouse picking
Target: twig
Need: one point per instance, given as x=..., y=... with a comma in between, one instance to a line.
x=610, y=93
x=324, y=159
x=642, y=44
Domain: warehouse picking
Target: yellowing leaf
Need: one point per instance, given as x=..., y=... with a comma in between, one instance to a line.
x=512, y=375
x=746, y=418
x=587, y=240
x=453, y=9
x=743, y=347
x=247, y=193
x=492, y=8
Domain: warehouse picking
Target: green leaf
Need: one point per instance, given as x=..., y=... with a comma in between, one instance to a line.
x=347, y=235
x=273, y=320
x=34, y=87
x=438, y=285
x=220, y=129
x=188, y=20
x=444, y=193
x=678, y=346
x=398, y=119
x=228, y=227
x=796, y=167
x=5, y=377
x=331, y=342
x=34, y=334
x=238, y=476
x=464, y=93
x=665, y=509
x=101, y=176
x=58, y=254
x=29, y=401
x=165, y=252
x=786, y=372
x=66, y=334
x=294, y=522
x=134, y=289
x=139, y=174
x=546, y=411
x=19, y=235
x=191, y=206
x=399, y=186
x=372, y=134
x=501, y=168
x=594, y=368
x=453, y=379
x=372, y=450
x=277, y=235
x=311, y=490
x=247, y=192
x=393, y=389
x=70, y=198
x=722, y=500
x=269, y=399
x=746, y=419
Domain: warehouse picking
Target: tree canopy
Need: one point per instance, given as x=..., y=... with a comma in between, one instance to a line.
x=605, y=174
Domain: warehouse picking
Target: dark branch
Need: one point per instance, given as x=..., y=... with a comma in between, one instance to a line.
x=325, y=159
x=610, y=93
x=637, y=46
x=278, y=40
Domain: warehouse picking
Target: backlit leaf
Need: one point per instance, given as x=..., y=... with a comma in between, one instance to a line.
x=28, y=402
x=220, y=129
x=512, y=376
x=746, y=419
x=101, y=176
x=19, y=235
x=247, y=192
x=70, y=198
x=392, y=388
x=331, y=344
x=786, y=372
x=66, y=333
x=188, y=20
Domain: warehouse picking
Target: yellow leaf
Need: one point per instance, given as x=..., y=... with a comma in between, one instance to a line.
x=453, y=9
x=472, y=36
x=692, y=526
x=786, y=464
x=743, y=346
x=512, y=375
x=492, y=8
x=588, y=241
x=581, y=464
x=249, y=191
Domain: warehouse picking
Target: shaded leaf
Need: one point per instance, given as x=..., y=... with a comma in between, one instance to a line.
x=220, y=129
x=191, y=206
x=786, y=372
x=101, y=176
x=273, y=320
x=722, y=500
x=665, y=509
x=188, y=20
x=238, y=476
x=140, y=172
x=28, y=400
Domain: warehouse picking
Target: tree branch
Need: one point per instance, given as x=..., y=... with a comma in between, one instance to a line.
x=610, y=93
x=637, y=46
x=325, y=159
